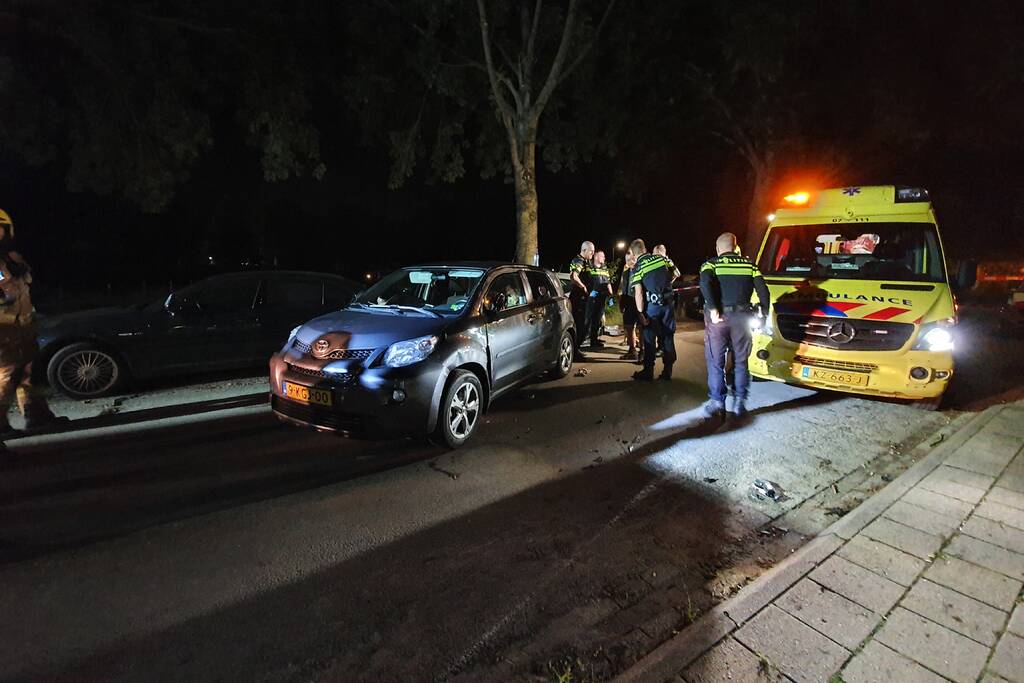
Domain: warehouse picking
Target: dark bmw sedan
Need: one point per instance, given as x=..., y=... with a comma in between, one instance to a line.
x=424, y=351
x=225, y=322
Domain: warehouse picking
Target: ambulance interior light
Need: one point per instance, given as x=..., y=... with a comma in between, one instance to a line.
x=911, y=194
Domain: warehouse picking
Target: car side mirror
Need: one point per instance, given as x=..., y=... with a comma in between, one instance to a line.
x=966, y=276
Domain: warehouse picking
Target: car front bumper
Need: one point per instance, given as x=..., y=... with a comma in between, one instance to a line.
x=879, y=373
x=376, y=401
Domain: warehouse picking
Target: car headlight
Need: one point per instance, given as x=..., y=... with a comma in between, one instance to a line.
x=291, y=337
x=934, y=337
x=410, y=351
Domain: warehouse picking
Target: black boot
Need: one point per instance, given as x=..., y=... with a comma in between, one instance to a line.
x=644, y=375
x=666, y=373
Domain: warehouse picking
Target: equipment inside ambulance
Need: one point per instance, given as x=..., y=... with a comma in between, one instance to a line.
x=861, y=298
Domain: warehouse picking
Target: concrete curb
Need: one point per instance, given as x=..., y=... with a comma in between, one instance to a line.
x=670, y=658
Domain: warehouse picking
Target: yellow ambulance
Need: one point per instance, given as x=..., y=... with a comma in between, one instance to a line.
x=861, y=300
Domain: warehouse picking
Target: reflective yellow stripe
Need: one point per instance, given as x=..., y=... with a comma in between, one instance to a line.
x=707, y=266
x=734, y=270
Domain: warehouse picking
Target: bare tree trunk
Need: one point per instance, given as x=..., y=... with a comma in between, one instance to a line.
x=760, y=207
x=525, y=170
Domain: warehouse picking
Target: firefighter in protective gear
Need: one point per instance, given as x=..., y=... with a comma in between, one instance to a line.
x=578, y=274
x=18, y=345
x=728, y=283
x=655, y=301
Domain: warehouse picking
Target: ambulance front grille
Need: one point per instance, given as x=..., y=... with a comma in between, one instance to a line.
x=835, y=364
x=869, y=335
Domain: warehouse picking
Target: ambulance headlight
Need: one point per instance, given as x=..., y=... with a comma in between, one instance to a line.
x=934, y=337
x=408, y=352
x=759, y=325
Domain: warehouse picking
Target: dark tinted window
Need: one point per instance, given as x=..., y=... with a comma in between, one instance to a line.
x=511, y=285
x=293, y=293
x=336, y=295
x=540, y=284
x=234, y=295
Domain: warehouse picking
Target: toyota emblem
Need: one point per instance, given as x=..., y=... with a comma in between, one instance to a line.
x=321, y=347
x=841, y=332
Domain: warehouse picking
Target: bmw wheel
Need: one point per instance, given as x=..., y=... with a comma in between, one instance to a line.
x=461, y=407
x=84, y=370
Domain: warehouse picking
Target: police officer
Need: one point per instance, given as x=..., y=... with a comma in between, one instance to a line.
x=652, y=290
x=600, y=289
x=18, y=345
x=579, y=276
x=728, y=283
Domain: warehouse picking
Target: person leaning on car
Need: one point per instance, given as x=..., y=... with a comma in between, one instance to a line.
x=580, y=289
x=18, y=345
x=728, y=282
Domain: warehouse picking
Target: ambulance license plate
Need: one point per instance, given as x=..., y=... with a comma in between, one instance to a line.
x=851, y=379
x=304, y=394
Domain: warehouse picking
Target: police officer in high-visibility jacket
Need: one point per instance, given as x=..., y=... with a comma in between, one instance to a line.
x=652, y=289
x=18, y=345
x=580, y=292
x=728, y=283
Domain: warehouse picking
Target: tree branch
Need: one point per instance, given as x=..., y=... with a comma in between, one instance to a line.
x=555, y=73
x=586, y=48
x=492, y=74
x=531, y=41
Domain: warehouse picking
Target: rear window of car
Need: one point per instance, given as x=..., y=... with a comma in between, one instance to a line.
x=227, y=296
x=541, y=285
x=287, y=293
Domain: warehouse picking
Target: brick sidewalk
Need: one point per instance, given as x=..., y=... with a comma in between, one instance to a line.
x=922, y=582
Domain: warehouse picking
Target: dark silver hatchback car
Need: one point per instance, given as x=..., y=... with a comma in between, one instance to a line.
x=424, y=351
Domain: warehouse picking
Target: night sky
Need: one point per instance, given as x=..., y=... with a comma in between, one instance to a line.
x=921, y=58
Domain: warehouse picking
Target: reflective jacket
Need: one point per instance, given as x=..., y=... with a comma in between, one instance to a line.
x=728, y=283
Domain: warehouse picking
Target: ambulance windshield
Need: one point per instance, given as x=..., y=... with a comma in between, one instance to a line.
x=863, y=251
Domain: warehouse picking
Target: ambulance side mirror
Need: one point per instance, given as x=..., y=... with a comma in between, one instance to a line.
x=966, y=276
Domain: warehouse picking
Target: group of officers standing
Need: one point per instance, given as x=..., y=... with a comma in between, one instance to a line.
x=728, y=283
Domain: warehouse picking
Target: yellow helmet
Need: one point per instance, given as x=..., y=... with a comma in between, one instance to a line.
x=6, y=223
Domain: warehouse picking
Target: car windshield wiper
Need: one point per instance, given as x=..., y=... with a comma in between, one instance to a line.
x=415, y=308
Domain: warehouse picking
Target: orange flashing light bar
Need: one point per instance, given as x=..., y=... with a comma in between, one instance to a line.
x=797, y=198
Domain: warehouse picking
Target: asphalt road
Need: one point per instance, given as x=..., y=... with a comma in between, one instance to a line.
x=220, y=545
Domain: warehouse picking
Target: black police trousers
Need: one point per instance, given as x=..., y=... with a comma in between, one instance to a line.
x=579, y=315
x=661, y=326
x=595, y=310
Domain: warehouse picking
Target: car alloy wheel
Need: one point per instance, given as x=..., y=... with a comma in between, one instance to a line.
x=565, y=352
x=463, y=411
x=84, y=371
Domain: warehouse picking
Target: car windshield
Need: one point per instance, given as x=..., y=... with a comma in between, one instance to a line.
x=435, y=290
x=865, y=251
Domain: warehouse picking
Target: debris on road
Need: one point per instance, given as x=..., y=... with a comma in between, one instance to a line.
x=942, y=437
x=582, y=372
x=710, y=480
x=434, y=466
x=762, y=489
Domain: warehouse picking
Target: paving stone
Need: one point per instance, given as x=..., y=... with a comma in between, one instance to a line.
x=944, y=505
x=878, y=664
x=987, y=555
x=1013, y=481
x=661, y=625
x=959, y=476
x=924, y=520
x=907, y=539
x=968, y=494
x=986, y=453
x=882, y=559
x=1006, y=497
x=933, y=646
x=1002, y=535
x=1004, y=514
x=965, y=615
x=1008, y=660
x=797, y=650
x=730, y=661
x=860, y=585
x=992, y=678
x=840, y=619
x=1016, y=624
x=975, y=581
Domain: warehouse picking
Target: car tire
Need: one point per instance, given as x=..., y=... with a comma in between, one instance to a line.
x=461, y=407
x=85, y=370
x=564, y=357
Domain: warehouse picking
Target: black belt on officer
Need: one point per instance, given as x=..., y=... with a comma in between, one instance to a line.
x=739, y=308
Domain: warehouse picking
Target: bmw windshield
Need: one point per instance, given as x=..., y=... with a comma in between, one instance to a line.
x=433, y=291
x=863, y=251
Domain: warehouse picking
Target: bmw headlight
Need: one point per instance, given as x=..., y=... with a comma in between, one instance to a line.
x=934, y=337
x=410, y=351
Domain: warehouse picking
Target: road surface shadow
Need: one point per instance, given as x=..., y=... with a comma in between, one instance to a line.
x=496, y=594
